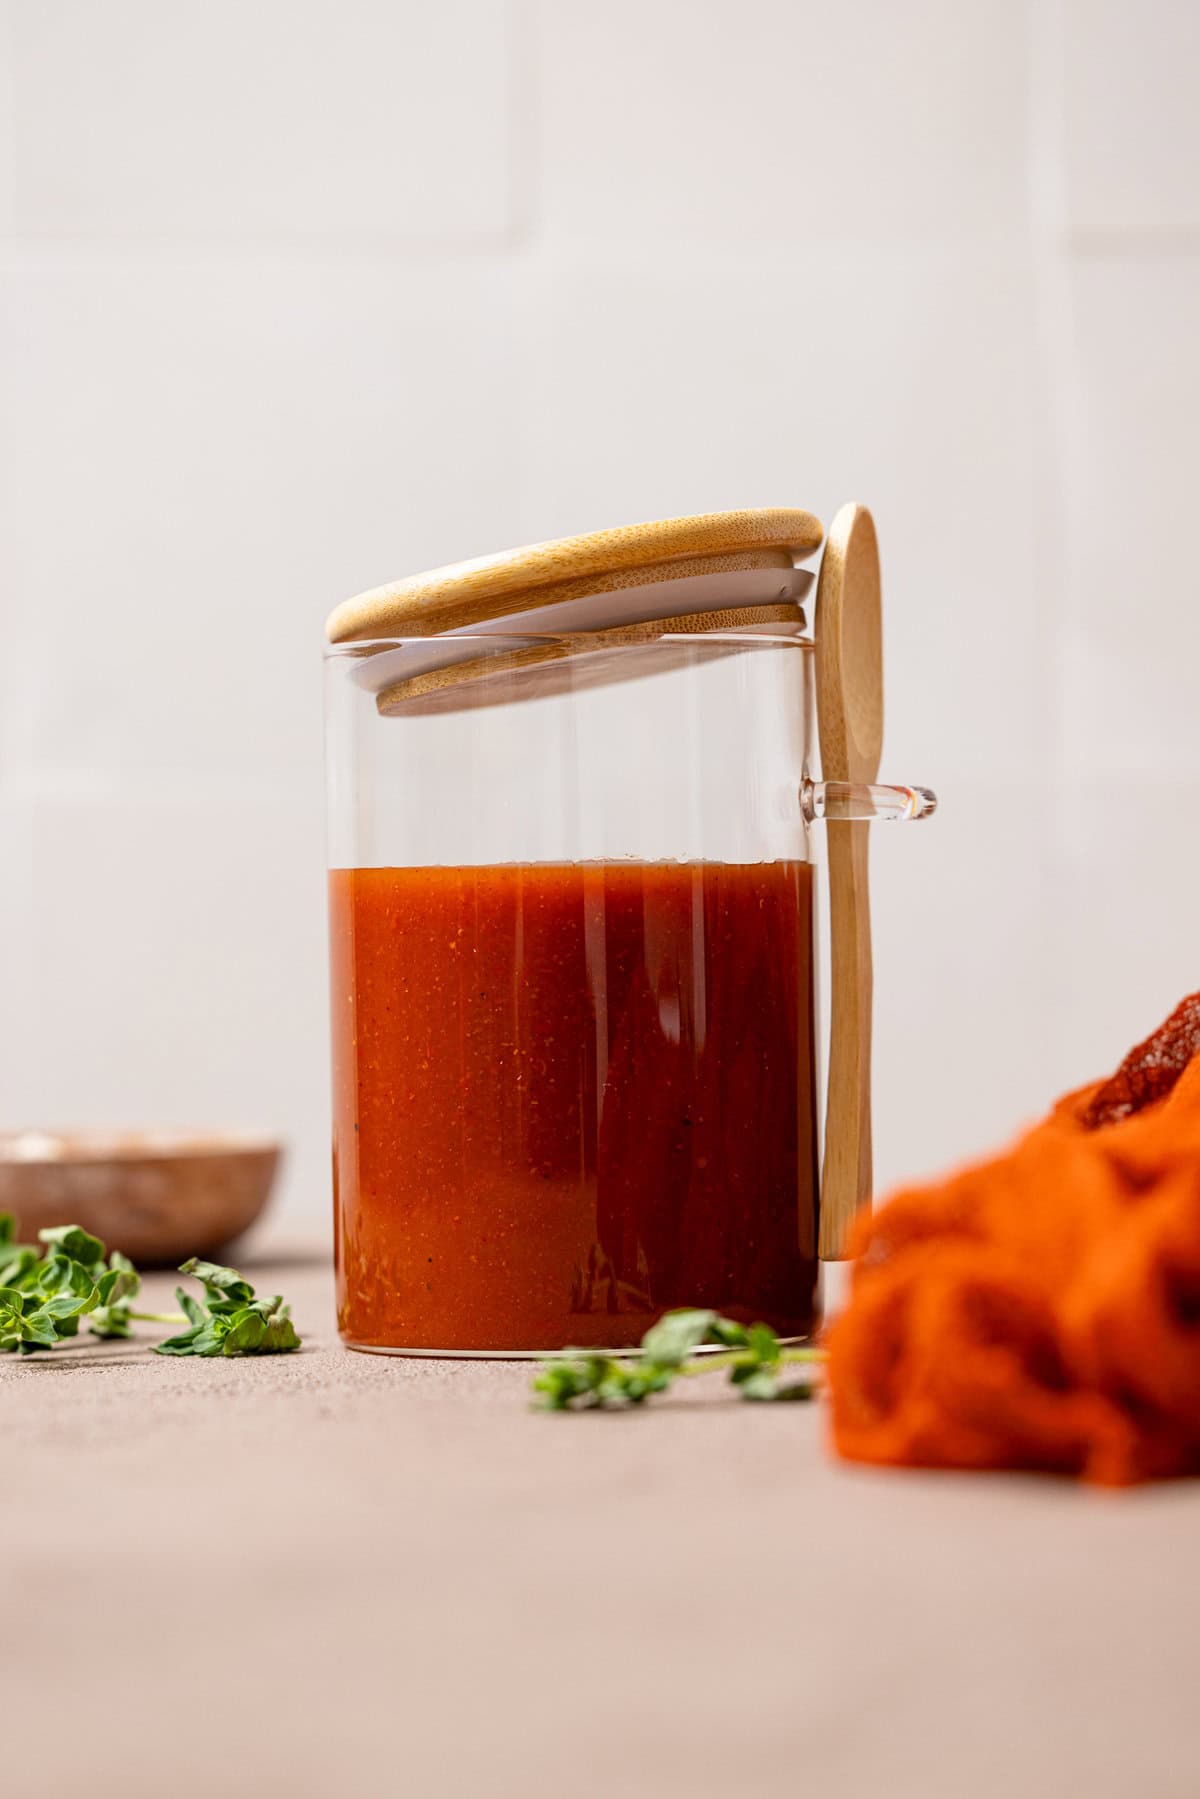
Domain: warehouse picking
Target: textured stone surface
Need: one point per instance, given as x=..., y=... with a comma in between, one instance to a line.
x=352, y=1574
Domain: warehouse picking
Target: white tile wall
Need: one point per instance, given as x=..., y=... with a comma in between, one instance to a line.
x=1131, y=116
x=176, y=944
x=959, y=925
x=18, y=977
x=772, y=119
x=277, y=117
x=213, y=448
x=1129, y=867
x=1131, y=609
x=297, y=297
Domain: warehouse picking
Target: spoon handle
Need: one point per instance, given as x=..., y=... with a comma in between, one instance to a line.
x=849, y=658
x=847, y=1175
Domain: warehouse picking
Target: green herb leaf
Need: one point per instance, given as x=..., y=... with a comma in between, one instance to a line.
x=65, y=1305
x=582, y=1380
x=763, y=1344
x=111, y=1321
x=193, y=1313
x=280, y=1334
x=24, y=1324
x=117, y=1288
x=12, y=1313
x=675, y=1336
x=38, y=1332
x=76, y=1244
x=129, y=1281
x=17, y=1261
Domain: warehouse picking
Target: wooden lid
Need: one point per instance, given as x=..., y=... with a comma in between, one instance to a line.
x=542, y=574
x=537, y=669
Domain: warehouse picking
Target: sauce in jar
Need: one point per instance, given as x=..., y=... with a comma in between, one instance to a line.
x=568, y=1097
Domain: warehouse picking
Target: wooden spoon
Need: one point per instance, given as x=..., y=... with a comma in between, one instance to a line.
x=849, y=653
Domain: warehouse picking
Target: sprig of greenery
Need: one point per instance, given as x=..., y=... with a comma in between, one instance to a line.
x=232, y=1321
x=74, y=1256
x=44, y=1294
x=113, y=1318
x=753, y=1356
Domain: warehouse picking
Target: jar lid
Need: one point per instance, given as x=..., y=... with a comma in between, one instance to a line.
x=519, y=582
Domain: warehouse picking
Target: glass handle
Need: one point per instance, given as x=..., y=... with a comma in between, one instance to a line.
x=860, y=799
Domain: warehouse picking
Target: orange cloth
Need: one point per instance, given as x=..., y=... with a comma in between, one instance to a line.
x=1042, y=1309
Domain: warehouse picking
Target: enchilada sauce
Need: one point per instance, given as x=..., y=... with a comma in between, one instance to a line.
x=568, y=1098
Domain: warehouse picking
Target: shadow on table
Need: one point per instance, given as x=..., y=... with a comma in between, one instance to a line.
x=71, y=1357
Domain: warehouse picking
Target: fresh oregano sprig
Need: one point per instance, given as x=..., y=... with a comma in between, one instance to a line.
x=232, y=1321
x=45, y=1292
x=751, y=1354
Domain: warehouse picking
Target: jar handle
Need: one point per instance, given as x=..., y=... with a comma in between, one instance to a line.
x=840, y=800
x=848, y=806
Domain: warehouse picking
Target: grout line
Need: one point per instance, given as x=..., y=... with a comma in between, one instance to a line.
x=1140, y=242
x=21, y=250
x=261, y=246
x=36, y=784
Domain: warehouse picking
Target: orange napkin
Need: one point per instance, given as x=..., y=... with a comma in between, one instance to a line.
x=1042, y=1309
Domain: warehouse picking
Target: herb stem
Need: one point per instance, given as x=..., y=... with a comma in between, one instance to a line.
x=709, y=1364
x=160, y=1317
x=751, y=1354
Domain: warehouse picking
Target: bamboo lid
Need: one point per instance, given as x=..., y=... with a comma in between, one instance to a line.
x=523, y=581
x=584, y=659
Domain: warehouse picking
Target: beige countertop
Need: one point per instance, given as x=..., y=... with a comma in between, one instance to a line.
x=331, y=1573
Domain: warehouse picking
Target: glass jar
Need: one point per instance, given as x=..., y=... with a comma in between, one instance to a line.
x=575, y=1070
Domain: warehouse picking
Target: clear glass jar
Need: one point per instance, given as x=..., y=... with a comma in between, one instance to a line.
x=576, y=1077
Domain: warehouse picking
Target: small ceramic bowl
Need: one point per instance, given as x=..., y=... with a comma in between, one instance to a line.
x=158, y=1196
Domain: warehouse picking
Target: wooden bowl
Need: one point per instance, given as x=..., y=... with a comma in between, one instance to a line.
x=158, y=1196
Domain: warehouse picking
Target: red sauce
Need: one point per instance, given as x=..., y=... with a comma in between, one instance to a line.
x=567, y=1098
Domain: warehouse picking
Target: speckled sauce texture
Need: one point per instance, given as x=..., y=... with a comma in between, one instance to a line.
x=569, y=1097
